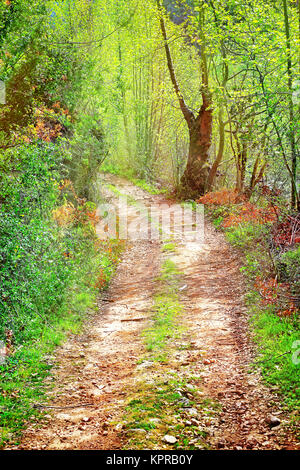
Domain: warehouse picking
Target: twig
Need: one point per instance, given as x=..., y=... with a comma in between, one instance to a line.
x=63, y=407
x=275, y=357
x=134, y=319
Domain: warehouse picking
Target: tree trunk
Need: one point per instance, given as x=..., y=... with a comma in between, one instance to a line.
x=214, y=168
x=194, y=178
x=294, y=198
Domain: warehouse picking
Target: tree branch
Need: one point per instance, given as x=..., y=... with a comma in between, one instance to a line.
x=187, y=113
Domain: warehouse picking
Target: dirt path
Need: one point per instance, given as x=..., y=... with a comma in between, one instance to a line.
x=99, y=371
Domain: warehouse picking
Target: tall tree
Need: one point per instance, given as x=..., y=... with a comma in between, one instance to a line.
x=194, y=179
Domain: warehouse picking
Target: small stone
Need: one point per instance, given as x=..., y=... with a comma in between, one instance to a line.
x=154, y=420
x=192, y=411
x=273, y=421
x=188, y=423
x=190, y=386
x=169, y=439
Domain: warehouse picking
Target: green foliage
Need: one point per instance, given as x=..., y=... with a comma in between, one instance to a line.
x=289, y=267
x=245, y=234
x=276, y=339
x=84, y=153
x=30, y=247
x=217, y=223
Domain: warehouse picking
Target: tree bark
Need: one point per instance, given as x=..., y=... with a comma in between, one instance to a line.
x=194, y=178
x=291, y=109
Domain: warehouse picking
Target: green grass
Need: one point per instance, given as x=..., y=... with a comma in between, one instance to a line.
x=276, y=340
x=169, y=247
x=167, y=310
x=159, y=410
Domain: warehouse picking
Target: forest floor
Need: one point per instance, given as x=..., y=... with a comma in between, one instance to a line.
x=165, y=363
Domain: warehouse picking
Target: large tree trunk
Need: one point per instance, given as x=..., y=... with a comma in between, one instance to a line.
x=194, y=179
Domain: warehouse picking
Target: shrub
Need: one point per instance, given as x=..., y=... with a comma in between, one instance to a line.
x=38, y=259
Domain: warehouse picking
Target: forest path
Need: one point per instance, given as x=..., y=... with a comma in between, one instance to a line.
x=214, y=401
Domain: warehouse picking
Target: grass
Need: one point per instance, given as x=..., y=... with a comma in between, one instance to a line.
x=160, y=409
x=22, y=382
x=169, y=247
x=167, y=310
x=277, y=342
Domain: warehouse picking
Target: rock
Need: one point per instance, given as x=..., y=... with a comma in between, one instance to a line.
x=188, y=423
x=169, y=439
x=185, y=402
x=273, y=421
x=192, y=411
x=154, y=420
x=190, y=386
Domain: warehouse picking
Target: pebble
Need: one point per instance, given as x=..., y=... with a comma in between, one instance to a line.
x=273, y=421
x=154, y=420
x=192, y=411
x=169, y=439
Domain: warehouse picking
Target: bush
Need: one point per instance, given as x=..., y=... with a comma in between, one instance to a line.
x=244, y=234
x=289, y=267
x=84, y=153
x=38, y=258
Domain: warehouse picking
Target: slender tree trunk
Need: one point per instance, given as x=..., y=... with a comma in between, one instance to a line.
x=291, y=108
x=123, y=95
x=214, y=168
